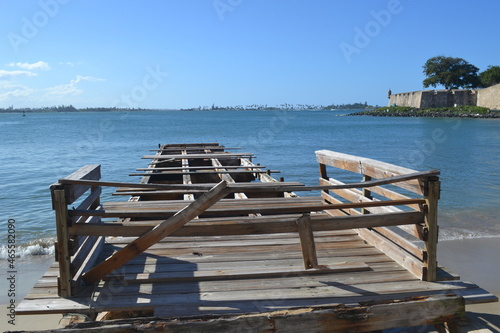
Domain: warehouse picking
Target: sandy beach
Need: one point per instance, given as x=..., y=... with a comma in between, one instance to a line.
x=476, y=260
x=28, y=273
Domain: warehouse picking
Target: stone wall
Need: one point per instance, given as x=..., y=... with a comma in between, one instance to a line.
x=412, y=99
x=489, y=97
x=435, y=98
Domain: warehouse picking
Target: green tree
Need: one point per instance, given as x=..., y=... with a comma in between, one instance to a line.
x=450, y=72
x=491, y=76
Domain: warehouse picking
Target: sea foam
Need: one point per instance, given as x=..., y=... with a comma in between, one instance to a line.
x=42, y=246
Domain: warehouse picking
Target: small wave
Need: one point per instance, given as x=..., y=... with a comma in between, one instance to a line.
x=446, y=235
x=43, y=246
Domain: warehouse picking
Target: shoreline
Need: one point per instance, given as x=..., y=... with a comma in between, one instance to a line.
x=474, y=259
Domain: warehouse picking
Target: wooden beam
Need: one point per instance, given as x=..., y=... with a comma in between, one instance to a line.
x=307, y=242
x=236, y=274
x=186, y=177
x=432, y=227
x=199, y=168
x=366, y=193
x=89, y=261
x=250, y=225
x=202, y=172
x=238, y=187
x=62, y=248
x=88, y=172
x=94, y=197
x=188, y=145
x=369, y=167
x=197, y=156
x=156, y=234
x=411, y=312
x=262, y=187
x=194, y=148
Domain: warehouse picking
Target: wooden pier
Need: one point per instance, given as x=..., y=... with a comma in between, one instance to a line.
x=208, y=241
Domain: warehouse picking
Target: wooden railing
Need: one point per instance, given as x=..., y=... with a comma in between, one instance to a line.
x=361, y=206
x=421, y=261
x=76, y=253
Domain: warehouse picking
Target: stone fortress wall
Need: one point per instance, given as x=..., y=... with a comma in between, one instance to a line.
x=488, y=98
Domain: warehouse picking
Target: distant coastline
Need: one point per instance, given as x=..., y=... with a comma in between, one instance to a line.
x=253, y=107
x=454, y=112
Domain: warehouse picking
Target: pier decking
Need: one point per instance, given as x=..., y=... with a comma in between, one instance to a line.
x=213, y=241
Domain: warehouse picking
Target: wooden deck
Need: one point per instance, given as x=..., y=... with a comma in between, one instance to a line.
x=208, y=234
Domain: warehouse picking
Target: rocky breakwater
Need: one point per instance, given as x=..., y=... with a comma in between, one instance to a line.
x=458, y=112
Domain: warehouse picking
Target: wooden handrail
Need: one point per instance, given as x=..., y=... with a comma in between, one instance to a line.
x=258, y=187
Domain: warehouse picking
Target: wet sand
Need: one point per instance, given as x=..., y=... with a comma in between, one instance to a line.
x=475, y=260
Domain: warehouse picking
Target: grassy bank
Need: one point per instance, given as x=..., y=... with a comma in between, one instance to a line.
x=464, y=111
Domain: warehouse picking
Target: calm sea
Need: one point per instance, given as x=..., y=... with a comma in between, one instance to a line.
x=38, y=149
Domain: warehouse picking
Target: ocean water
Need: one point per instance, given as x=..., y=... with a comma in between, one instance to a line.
x=40, y=148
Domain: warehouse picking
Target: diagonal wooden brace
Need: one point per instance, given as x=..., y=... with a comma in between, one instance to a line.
x=159, y=232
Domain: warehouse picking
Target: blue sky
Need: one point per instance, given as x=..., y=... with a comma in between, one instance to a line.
x=187, y=53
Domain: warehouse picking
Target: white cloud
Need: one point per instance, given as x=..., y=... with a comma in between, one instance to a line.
x=70, y=63
x=87, y=78
x=11, y=91
x=35, y=66
x=8, y=75
x=14, y=90
x=71, y=88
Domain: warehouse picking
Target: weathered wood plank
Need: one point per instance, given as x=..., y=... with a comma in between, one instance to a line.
x=356, y=195
x=413, y=312
x=91, y=258
x=197, y=156
x=90, y=200
x=227, y=274
x=432, y=227
x=238, y=187
x=412, y=264
x=76, y=241
x=202, y=172
x=395, y=252
x=266, y=186
x=61, y=208
x=88, y=172
x=307, y=242
x=372, y=168
x=378, y=272
x=162, y=230
x=200, y=168
x=250, y=225
x=186, y=177
x=79, y=257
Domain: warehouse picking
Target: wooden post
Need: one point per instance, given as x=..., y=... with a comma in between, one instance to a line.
x=59, y=202
x=366, y=193
x=323, y=175
x=159, y=232
x=307, y=241
x=322, y=171
x=431, y=199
